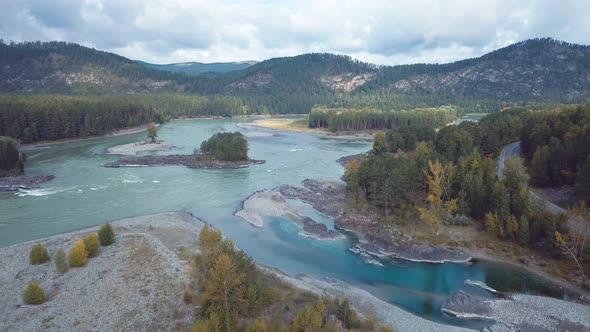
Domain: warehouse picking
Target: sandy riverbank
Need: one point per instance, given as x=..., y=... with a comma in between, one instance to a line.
x=47, y=144
x=367, y=304
x=134, y=284
x=514, y=313
x=296, y=125
x=137, y=284
x=138, y=147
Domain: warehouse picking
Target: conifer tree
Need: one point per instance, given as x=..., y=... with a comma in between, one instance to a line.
x=106, y=235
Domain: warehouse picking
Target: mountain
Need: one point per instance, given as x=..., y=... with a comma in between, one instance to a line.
x=195, y=68
x=536, y=70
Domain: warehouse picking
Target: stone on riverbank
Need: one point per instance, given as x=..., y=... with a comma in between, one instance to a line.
x=272, y=203
x=520, y=312
x=14, y=183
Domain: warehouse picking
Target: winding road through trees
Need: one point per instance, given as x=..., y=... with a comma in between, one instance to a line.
x=513, y=150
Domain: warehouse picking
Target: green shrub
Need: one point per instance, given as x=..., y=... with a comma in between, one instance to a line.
x=34, y=294
x=92, y=244
x=39, y=254
x=61, y=261
x=78, y=254
x=106, y=236
x=226, y=146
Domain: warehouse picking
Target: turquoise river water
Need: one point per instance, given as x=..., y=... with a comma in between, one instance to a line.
x=84, y=194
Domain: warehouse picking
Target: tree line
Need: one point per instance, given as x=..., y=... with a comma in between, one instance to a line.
x=454, y=172
x=371, y=119
x=52, y=117
x=557, y=146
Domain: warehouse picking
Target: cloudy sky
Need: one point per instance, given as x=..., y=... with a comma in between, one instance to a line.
x=383, y=32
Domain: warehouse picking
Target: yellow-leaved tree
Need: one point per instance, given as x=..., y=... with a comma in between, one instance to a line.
x=78, y=254
x=224, y=292
x=438, y=209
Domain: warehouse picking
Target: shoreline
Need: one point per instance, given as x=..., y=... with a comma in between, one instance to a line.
x=47, y=144
x=564, y=284
x=188, y=160
x=132, y=149
x=169, y=232
x=147, y=248
x=271, y=203
x=310, y=131
x=329, y=203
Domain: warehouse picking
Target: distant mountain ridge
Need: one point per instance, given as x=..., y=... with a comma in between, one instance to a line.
x=536, y=70
x=195, y=68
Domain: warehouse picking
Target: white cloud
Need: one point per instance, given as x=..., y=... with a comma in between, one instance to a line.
x=385, y=32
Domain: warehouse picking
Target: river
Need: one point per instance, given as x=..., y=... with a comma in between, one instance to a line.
x=84, y=194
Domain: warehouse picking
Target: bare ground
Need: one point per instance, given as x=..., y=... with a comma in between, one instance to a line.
x=135, y=284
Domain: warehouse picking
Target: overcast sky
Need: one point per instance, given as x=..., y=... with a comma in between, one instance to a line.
x=383, y=32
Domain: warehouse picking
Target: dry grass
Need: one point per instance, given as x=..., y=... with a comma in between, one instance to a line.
x=298, y=125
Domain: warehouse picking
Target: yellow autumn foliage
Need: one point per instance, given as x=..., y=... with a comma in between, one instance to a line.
x=78, y=254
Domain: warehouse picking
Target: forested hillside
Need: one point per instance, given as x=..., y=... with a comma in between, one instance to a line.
x=539, y=70
x=195, y=68
x=454, y=172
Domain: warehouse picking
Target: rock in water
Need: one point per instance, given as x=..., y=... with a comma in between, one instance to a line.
x=464, y=305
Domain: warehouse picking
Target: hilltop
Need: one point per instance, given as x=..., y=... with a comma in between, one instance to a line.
x=536, y=70
x=195, y=68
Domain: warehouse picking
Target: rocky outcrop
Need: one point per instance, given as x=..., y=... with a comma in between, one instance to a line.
x=465, y=305
x=327, y=196
x=14, y=183
x=318, y=230
x=346, y=82
x=519, y=312
x=271, y=203
x=414, y=252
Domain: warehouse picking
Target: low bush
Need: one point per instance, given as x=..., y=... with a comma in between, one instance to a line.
x=78, y=254
x=457, y=220
x=106, y=235
x=61, y=261
x=34, y=294
x=39, y=254
x=92, y=244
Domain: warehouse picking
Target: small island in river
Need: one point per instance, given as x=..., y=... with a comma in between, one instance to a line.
x=12, y=166
x=222, y=150
x=137, y=147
